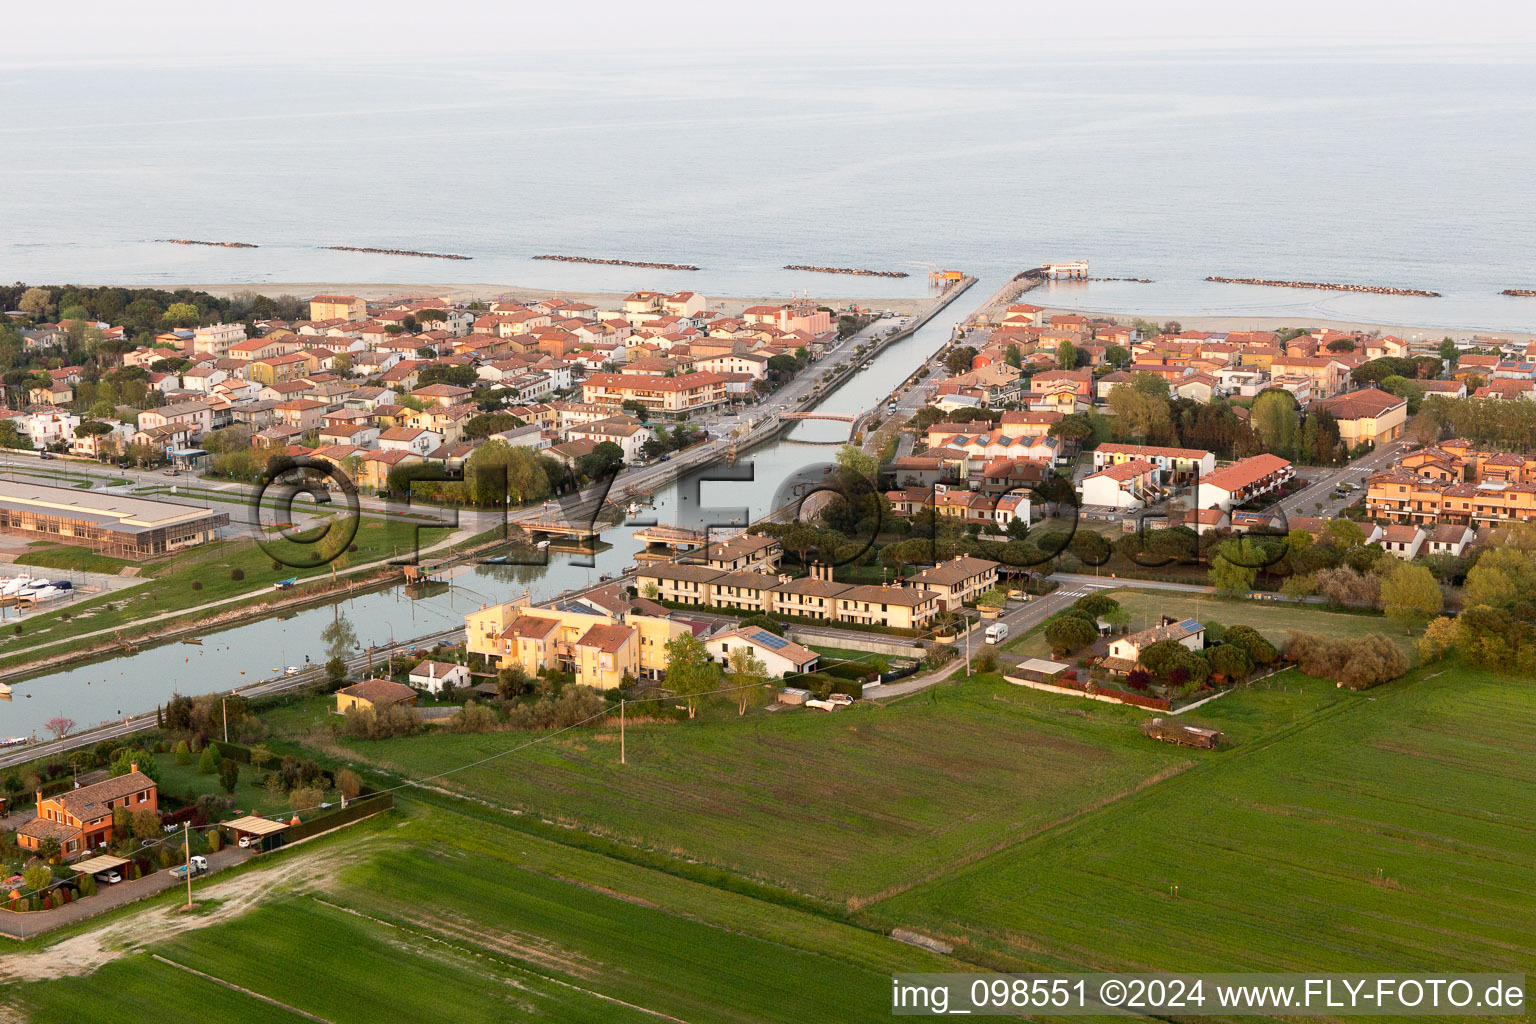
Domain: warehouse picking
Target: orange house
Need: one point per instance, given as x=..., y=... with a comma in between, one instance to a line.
x=81, y=819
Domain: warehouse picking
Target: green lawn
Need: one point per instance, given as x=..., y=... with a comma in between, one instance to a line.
x=842, y=805
x=72, y=558
x=849, y=654
x=1390, y=831
x=186, y=783
x=1272, y=618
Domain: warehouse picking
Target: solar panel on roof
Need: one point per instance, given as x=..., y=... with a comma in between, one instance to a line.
x=1190, y=624
x=770, y=641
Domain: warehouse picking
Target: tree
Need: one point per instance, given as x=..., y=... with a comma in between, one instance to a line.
x=305, y=798
x=1232, y=567
x=1275, y=417
x=605, y=458
x=208, y=763
x=145, y=824
x=348, y=783
x=746, y=674
x=1066, y=633
x=854, y=461
x=959, y=360
x=1117, y=356
x=762, y=622
x=1439, y=637
x=1230, y=660
x=1501, y=576
x=1161, y=657
x=183, y=752
x=1449, y=353
x=1012, y=356
x=125, y=758
x=229, y=774
x=336, y=670
x=691, y=672
x=36, y=877
x=59, y=727
x=1410, y=594
x=339, y=637
x=512, y=682
x=34, y=302
x=180, y=314
x=1066, y=355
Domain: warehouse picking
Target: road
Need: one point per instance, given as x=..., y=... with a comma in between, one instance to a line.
x=1304, y=502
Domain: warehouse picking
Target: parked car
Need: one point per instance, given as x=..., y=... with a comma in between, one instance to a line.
x=199, y=865
x=248, y=841
x=45, y=455
x=109, y=877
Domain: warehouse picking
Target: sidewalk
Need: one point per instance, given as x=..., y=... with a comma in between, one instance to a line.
x=110, y=897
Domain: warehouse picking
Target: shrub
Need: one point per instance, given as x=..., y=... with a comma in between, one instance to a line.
x=237, y=574
x=87, y=884
x=197, y=584
x=1357, y=663
x=208, y=763
x=183, y=753
x=349, y=783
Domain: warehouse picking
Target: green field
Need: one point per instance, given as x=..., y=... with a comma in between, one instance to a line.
x=1384, y=830
x=1392, y=831
x=431, y=916
x=844, y=805
x=1272, y=618
x=186, y=783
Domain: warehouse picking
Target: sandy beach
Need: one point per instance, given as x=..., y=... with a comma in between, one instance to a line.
x=1408, y=332
x=731, y=305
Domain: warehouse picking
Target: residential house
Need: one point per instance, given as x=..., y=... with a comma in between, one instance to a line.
x=81, y=819
x=374, y=695
x=781, y=657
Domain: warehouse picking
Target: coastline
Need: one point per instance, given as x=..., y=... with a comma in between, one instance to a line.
x=1231, y=322
x=731, y=305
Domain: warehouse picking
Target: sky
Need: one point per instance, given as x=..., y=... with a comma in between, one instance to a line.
x=72, y=31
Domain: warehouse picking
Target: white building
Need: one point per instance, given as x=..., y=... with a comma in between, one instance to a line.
x=215, y=339
x=433, y=675
x=782, y=657
x=1127, y=486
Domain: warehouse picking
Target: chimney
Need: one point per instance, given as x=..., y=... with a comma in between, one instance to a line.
x=133, y=766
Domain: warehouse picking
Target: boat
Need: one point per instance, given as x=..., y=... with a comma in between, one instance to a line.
x=15, y=741
x=632, y=509
x=194, y=641
x=5, y=692
x=291, y=670
x=13, y=586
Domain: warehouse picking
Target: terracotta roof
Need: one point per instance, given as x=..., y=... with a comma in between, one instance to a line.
x=1366, y=403
x=608, y=639
x=379, y=691
x=90, y=802
x=957, y=570
x=1246, y=471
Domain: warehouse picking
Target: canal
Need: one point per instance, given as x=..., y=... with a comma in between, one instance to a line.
x=104, y=691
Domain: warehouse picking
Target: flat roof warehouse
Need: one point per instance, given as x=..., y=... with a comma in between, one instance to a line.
x=113, y=523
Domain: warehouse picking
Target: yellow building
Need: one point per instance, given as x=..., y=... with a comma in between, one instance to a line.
x=374, y=693
x=1367, y=416
x=902, y=608
x=605, y=655
x=337, y=307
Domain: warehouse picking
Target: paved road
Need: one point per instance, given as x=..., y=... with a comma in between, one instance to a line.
x=1303, y=502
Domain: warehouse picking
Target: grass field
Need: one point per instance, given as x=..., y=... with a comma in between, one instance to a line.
x=73, y=558
x=1391, y=831
x=1384, y=830
x=1272, y=619
x=843, y=805
x=427, y=915
x=185, y=782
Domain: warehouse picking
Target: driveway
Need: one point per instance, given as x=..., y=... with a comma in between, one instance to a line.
x=110, y=897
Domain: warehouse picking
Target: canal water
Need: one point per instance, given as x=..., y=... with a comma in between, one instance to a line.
x=106, y=690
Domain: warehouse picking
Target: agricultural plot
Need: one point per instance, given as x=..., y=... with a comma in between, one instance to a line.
x=442, y=917
x=842, y=805
x=1393, y=832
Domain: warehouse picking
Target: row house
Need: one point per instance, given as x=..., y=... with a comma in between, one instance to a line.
x=1243, y=481
x=821, y=598
x=667, y=395
x=1179, y=465
x=1126, y=486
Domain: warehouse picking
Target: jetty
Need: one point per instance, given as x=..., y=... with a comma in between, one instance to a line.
x=1327, y=286
x=1525, y=293
x=855, y=271
x=619, y=263
x=221, y=245
x=398, y=252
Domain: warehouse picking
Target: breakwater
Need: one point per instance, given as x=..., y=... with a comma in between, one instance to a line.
x=398, y=252
x=1371, y=289
x=1138, y=280
x=619, y=263
x=220, y=245
x=1525, y=293
x=855, y=271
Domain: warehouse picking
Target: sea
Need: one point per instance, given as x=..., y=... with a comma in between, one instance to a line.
x=1399, y=166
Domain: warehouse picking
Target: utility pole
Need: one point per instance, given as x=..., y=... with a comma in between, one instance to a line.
x=622, y=759
x=186, y=848
x=224, y=706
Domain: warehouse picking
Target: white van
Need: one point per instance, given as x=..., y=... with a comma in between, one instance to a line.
x=997, y=632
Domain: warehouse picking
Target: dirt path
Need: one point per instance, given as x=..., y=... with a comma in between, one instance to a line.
x=83, y=953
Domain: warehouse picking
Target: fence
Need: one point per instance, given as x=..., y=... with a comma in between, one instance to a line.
x=362, y=807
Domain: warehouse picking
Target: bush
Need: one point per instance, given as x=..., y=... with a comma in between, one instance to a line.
x=208, y=763
x=773, y=626
x=197, y=584
x=575, y=704
x=349, y=783
x=183, y=753
x=472, y=717
x=237, y=574
x=87, y=884
x=1357, y=663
